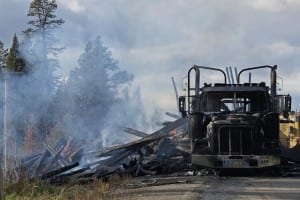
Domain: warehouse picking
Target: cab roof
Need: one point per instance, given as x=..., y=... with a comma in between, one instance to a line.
x=222, y=87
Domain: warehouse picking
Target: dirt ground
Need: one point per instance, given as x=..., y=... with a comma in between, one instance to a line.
x=208, y=187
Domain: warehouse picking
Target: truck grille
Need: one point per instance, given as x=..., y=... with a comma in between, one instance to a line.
x=235, y=141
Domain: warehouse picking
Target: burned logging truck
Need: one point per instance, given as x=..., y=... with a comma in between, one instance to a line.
x=233, y=125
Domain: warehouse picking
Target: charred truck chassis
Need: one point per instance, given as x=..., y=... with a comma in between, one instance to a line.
x=233, y=125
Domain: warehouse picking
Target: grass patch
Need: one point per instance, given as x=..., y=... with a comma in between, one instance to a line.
x=23, y=190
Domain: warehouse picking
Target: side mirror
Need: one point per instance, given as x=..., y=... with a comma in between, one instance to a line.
x=182, y=106
x=283, y=103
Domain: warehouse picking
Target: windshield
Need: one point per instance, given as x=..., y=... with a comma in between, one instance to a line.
x=234, y=101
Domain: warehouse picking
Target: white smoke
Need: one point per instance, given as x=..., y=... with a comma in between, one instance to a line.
x=92, y=105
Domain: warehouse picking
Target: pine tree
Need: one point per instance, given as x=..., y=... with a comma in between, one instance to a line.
x=43, y=11
x=40, y=35
x=39, y=49
x=92, y=90
x=13, y=61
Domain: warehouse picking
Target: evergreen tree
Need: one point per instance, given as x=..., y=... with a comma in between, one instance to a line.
x=39, y=42
x=43, y=11
x=14, y=62
x=92, y=90
x=39, y=49
x=39, y=46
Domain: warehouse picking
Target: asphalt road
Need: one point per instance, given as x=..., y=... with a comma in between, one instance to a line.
x=209, y=187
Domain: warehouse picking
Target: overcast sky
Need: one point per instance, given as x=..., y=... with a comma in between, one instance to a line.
x=158, y=39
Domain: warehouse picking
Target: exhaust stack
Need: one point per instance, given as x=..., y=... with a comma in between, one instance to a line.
x=273, y=80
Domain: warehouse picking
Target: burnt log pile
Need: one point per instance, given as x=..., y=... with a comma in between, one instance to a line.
x=63, y=154
x=164, y=151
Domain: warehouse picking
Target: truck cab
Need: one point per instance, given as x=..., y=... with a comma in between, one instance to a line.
x=232, y=125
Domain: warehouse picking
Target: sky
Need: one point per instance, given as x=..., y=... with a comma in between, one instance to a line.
x=159, y=39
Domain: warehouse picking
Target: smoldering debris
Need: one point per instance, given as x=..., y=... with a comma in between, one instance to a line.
x=164, y=151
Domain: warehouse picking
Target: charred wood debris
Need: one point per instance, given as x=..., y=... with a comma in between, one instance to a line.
x=164, y=151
